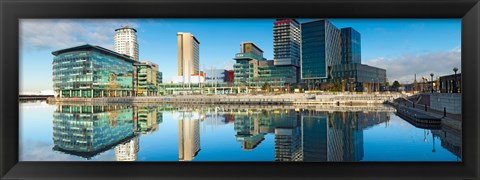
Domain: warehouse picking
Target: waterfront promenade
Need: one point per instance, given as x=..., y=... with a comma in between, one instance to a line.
x=283, y=99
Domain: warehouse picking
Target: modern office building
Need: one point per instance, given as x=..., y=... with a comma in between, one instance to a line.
x=286, y=42
x=284, y=75
x=330, y=55
x=247, y=62
x=194, y=79
x=351, y=46
x=125, y=42
x=286, y=49
x=213, y=75
x=92, y=71
x=86, y=131
x=188, y=55
x=359, y=77
x=451, y=83
x=147, y=78
x=253, y=70
x=353, y=75
x=321, y=49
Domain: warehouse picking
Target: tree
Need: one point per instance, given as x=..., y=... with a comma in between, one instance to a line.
x=396, y=85
x=337, y=86
x=266, y=86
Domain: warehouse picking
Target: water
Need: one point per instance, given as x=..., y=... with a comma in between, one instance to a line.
x=226, y=133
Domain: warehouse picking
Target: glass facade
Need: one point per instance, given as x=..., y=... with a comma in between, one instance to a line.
x=242, y=72
x=359, y=74
x=91, y=71
x=147, y=83
x=321, y=46
x=351, y=46
x=247, y=71
x=252, y=69
x=215, y=75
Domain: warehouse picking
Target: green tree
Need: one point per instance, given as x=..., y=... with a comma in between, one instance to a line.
x=266, y=86
x=396, y=85
x=336, y=86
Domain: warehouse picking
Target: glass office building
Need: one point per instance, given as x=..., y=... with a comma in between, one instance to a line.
x=147, y=78
x=92, y=71
x=247, y=62
x=321, y=49
x=215, y=75
x=252, y=69
x=351, y=44
x=360, y=77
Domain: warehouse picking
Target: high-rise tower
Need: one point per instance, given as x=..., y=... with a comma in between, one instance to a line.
x=125, y=42
x=286, y=49
x=188, y=55
x=351, y=46
x=321, y=49
x=286, y=42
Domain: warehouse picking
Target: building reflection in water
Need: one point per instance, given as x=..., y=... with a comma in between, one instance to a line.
x=86, y=131
x=148, y=119
x=307, y=135
x=451, y=139
x=188, y=134
x=299, y=135
x=250, y=127
x=127, y=151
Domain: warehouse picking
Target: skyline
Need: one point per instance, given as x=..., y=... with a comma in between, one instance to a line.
x=400, y=43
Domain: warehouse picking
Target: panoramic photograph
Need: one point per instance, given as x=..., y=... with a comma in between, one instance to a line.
x=250, y=90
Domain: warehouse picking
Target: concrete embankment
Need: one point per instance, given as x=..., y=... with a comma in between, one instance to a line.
x=285, y=99
x=418, y=118
x=425, y=119
x=33, y=97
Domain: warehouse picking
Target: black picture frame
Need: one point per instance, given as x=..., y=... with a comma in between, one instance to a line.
x=11, y=11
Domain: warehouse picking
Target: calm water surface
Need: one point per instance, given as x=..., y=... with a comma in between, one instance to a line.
x=226, y=133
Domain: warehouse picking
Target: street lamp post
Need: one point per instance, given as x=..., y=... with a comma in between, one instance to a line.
x=431, y=83
x=423, y=84
x=373, y=85
x=455, y=69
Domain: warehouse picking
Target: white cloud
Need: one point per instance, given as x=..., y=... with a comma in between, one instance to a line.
x=32, y=150
x=404, y=67
x=54, y=34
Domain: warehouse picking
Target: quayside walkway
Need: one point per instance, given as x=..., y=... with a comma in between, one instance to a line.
x=297, y=99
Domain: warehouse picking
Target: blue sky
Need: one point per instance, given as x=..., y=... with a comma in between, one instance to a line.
x=403, y=47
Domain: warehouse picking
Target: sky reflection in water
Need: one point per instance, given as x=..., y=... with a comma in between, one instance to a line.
x=221, y=133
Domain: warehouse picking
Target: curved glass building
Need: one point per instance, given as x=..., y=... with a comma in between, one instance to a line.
x=92, y=71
